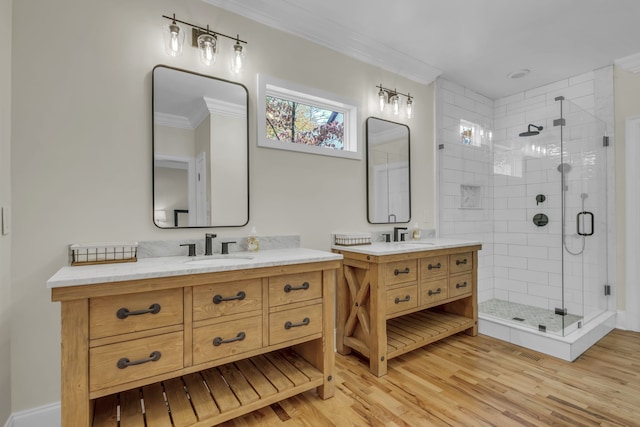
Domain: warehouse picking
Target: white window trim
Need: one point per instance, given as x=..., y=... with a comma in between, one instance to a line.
x=272, y=86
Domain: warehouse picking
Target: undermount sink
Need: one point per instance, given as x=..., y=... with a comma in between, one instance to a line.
x=219, y=260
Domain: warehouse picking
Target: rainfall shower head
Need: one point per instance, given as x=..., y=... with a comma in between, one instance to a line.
x=530, y=132
x=564, y=167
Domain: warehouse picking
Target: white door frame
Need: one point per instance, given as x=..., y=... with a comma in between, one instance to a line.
x=632, y=223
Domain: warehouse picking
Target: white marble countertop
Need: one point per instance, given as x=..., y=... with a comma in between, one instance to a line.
x=382, y=248
x=146, y=268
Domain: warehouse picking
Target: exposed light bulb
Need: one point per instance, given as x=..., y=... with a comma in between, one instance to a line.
x=237, y=60
x=395, y=103
x=409, y=107
x=207, y=46
x=382, y=100
x=173, y=39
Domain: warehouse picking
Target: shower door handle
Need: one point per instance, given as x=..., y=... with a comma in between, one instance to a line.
x=581, y=215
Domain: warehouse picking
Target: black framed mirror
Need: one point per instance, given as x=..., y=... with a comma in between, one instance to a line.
x=388, y=172
x=200, y=150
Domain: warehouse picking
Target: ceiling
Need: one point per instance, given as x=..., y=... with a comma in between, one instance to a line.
x=475, y=43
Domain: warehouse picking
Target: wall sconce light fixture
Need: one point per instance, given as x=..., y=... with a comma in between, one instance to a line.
x=205, y=40
x=392, y=96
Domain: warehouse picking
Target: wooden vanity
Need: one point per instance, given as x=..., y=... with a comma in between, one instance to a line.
x=197, y=348
x=393, y=299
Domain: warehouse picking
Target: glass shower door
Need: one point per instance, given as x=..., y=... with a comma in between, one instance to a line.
x=583, y=187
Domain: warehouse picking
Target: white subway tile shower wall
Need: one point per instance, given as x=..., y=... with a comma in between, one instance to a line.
x=462, y=166
x=520, y=262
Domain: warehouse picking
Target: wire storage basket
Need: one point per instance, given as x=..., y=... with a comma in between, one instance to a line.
x=103, y=253
x=352, y=239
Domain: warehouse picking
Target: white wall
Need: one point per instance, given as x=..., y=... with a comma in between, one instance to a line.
x=5, y=201
x=627, y=93
x=81, y=149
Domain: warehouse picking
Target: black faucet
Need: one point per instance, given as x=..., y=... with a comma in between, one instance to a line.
x=192, y=248
x=225, y=247
x=397, y=235
x=208, y=246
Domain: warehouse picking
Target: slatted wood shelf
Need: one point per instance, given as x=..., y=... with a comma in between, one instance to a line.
x=415, y=330
x=211, y=396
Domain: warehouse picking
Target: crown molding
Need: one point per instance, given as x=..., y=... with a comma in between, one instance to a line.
x=172, y=120
x=333, y=36
x=629, y=63
x=216, y=106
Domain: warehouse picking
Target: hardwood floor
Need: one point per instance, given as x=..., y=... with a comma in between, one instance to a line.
x=476, y=381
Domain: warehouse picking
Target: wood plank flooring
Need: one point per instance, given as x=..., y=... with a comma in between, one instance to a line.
x=475, y=381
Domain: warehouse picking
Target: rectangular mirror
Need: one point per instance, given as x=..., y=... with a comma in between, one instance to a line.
x=388, y=172
x=200, y=150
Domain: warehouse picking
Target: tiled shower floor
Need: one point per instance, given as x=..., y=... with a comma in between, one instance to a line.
x=522, y=314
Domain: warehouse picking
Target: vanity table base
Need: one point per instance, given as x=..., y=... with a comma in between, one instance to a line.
x=196, y=381
x=391, y=304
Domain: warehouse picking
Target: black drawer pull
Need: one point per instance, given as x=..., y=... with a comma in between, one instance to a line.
x=458, y=285
x=219, y=298
x=123, y=313
x=458, y=262
x=398, y=300
x=431, y=266
x=289, y=325
x=124, y=362
x=288, y=288
x=439, y=291
x=405, y=271
x=219, y=341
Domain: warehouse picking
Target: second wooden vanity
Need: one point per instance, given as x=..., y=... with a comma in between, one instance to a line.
x=176, y=345
x=394, y=298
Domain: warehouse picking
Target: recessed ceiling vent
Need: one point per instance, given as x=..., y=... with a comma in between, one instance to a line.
x=518, y=74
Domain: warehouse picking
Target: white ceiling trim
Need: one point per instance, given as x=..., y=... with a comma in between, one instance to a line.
x=333, y=36
x=172, y=120
x=629, y=63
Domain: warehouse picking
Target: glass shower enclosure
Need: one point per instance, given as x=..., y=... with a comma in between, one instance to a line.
x=584, y=202
x=541, y=214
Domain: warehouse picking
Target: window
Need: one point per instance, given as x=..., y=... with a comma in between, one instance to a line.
x=473, y=134
x=293, y=117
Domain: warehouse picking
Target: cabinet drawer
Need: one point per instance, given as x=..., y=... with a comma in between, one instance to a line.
x=216, y=300
x=460, y=262
x=436, y=266
x=226, y=339
x=401, y=299
x=297, y=323
x=294, y=288
x=434, y=291
x=119, y=363
x=121, y=314
x=400, y=272
x=460, y=285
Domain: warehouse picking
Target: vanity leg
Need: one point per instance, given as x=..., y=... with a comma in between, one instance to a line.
x=75, y=363
x=343, y=305
x=378, y=336
x=328, y=388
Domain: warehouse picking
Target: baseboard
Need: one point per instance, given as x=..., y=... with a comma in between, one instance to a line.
x=42, y=416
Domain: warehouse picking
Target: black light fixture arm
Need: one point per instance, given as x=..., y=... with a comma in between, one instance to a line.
x=205, y=30
x=393, y=92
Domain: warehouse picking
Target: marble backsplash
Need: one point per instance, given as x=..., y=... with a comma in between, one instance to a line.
x=162, y=248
